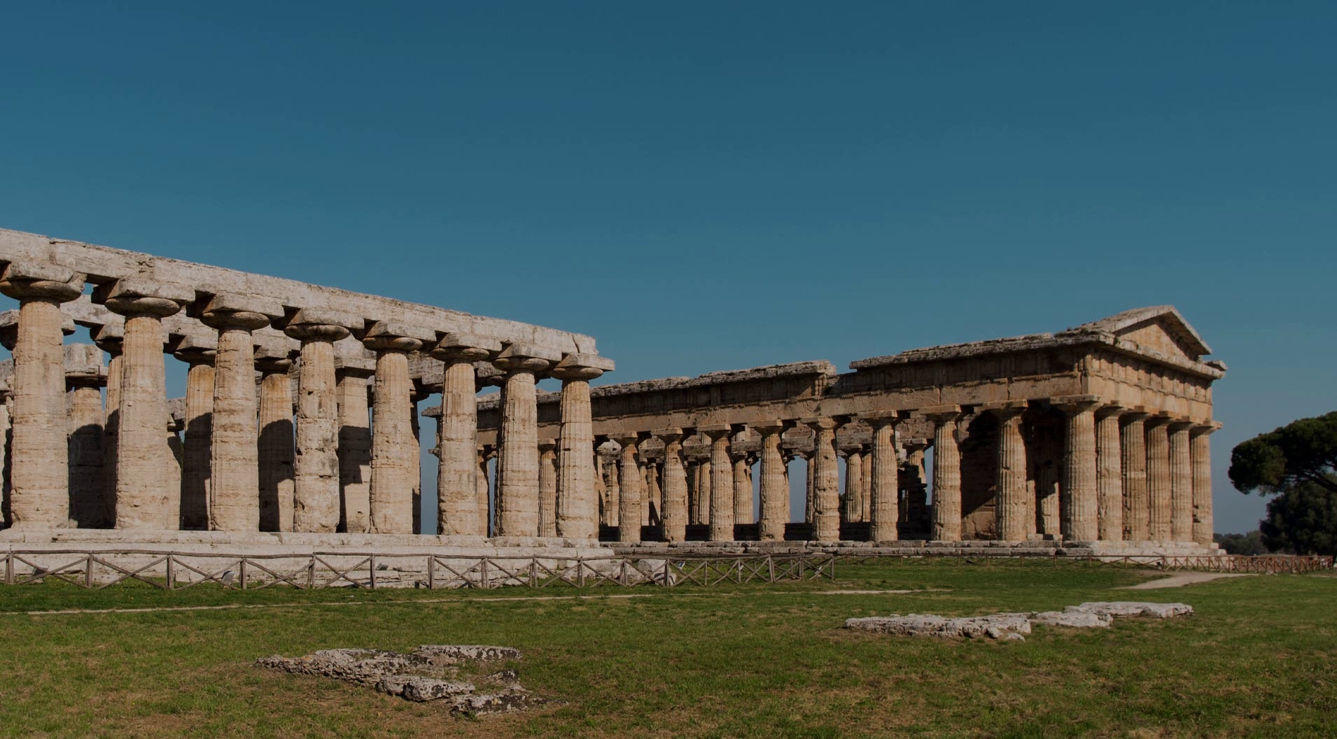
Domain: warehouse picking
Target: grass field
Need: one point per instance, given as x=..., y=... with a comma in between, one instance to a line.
x=1258, y=660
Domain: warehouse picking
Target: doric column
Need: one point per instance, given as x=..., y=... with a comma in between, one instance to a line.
x=1080, y=499
x=852, y=508
x=1181, y=482
x=354, y=420
x=39, y=471
x=631, y=490
x=612, y=489
x=316, y=466
x=234, y=486
x=195, y=448
x=1201, y=450
x=395, y=467
x=1136, y=503
x=87, y=508
x=883, y=471
x=1158, y=477
x=548, y=488
x=774, y=486
x=1109, y=473
x=457, y=436
x=946, y=473
x=675, y=486
x=915, y=513
x=278, y=451
x=825, y=480
x=652, y=505
x=808, y=512
x=518, y=458
x=6, y=398
x=742, y=487
x=577, y=497
x=705, y=480
x=721, y=483
x=486, y=452
x=1013, y=507
x=415, y=440
x=144, y=495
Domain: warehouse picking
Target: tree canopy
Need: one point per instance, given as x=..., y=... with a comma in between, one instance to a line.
x=1303, y=451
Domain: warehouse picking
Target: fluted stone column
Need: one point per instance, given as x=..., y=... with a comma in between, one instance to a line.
x=675, y=486
x=316, y=465
x=774, y=484
x=721, y=484
x=825, y=480
x=742, y=489
x=1080, y=498
x=108, y=339
x=915, y=513
x=631, y=490
x=87, y=508
x=577, y=498
x=1181, y=482
x=653, y=503
x=234, y=486
x=946, y=519
x=612, y=491
x=547, y=488
x=1201, y=451
x=195, y=448
x=277, y=444
x=852, y=509
x=457, y=437
x=808, y=511
x=1109, y=473
x=518, y=458
x=1136, y=501
x=1013, y=507
x=486, y=452
x=354, y=422
x=704, y=491
x=883, y=471
x=1158, y=477
x=39, y=495
x=6, y=398
x=145, y=499
x=395, y=467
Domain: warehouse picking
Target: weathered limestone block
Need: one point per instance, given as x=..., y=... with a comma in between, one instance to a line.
x=355, y=451
x=1117, y=609
x=1072, y=618
x=278, y=452
x=39, y=474
x=946, y=524
x=1008, y=626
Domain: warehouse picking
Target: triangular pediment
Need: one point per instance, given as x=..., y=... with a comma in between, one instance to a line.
x=1159, y=327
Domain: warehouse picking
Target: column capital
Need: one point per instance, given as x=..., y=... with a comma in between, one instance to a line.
x=109, y=338
x=195, y=349
x=393, y=336
x=915, y=445
x=1181, y=424
x=1158, y=419
x=581, y=367
x=547, y=445
x=668, y=435
x=767, y=428
x=716, y=430
x=878, y=419
x=516, y=358
x=39, y=280
x=1204, y=429
x=941, y=413
x=1005, y=409
x=1111, y=408
x=83, y=366
x=247, y=312
x=821, y=423
x=134, y=296
x=1075, y=404
x=462, y=347
x=321, y=324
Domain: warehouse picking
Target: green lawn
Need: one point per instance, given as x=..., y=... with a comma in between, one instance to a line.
x=1258, y=660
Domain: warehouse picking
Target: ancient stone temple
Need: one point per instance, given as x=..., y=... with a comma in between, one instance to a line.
x=300, y=424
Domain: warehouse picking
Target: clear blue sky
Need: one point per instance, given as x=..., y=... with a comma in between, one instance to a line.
x=719, y=185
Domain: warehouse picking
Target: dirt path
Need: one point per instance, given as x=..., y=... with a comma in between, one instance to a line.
x=1186, y=578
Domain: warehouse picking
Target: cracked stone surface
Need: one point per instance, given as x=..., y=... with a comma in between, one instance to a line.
x=432, y=672
x=1014, y=626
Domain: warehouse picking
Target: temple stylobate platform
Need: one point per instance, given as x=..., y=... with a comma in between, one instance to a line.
x=299, y=430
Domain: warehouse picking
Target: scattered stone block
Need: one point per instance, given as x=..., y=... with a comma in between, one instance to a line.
x=1014, y=626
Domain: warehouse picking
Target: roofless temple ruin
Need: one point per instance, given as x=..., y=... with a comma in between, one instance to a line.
x=300, y=425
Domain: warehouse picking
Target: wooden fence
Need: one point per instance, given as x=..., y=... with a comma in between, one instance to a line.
x=178, y=570
x=1266, y=564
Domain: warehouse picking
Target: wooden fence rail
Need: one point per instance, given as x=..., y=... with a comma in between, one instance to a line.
x=1267, y=563
x=179, y=570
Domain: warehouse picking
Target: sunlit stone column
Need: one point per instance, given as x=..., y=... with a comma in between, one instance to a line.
x=458, y=513
x=742, y=487
x=195, y=446
x=234, y=486
x=1013, y=506
x=87, y=508
x=774, y=484
x=395, y=467
x=1080, y=499
x=1109, y=473
x=1158, y=477
x=852, y=501
x=675, y=486
x=548, y=488
x=1181, y=482
x=278, y=449
x=1136, y=502
x=354, y=420
x=1201, y=450
x=39, y=473
x=721, y=483
x=144, y=495
x=577, y=496
x=883, y=471
x=316, y=466
x=825, y=480
x=631, y=490
x=518, y=458
x=946, y=518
